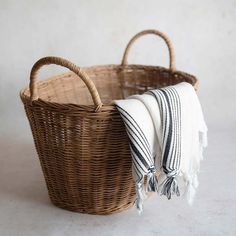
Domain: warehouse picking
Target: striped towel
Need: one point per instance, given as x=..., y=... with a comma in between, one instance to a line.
x=167, y=133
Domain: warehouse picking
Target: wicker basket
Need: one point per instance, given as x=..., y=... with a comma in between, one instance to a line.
x=79, y=135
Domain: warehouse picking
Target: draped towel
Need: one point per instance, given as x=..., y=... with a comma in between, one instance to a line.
x=167, y=133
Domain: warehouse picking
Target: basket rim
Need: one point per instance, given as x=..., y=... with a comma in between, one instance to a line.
x=66, y=107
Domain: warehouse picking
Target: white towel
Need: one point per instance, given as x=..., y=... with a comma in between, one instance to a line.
x=167, y=134
x=193, y=137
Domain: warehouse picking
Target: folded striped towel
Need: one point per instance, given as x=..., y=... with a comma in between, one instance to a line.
x=167, y=134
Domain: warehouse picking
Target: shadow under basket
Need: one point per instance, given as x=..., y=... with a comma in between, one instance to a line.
x=79, y=135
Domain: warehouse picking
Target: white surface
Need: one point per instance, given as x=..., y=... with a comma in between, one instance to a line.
x=96, y=32
x=26, y=209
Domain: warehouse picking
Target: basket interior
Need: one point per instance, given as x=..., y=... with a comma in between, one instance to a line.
x=111, y=81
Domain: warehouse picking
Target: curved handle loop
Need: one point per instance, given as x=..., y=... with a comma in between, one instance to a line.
x=156, y=32
x=65, y=63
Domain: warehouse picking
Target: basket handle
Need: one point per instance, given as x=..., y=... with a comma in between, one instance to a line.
x=65, y=63
x=158, y=33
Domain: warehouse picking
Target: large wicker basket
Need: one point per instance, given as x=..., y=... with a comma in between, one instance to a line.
x=79, y=135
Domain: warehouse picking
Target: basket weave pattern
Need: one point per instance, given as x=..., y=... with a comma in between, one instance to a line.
x=79, y=135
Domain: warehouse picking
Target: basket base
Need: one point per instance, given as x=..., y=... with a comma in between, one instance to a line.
x=95, y=212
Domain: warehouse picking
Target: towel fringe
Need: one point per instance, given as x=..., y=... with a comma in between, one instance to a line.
x=152, y=182
x=170, y=187
x=141, y=196
x=139, y=205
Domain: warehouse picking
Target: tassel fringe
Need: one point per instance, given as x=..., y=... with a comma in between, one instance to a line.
x=152, y=183
x=139, y=205
x=170, y=187
x=141, y=196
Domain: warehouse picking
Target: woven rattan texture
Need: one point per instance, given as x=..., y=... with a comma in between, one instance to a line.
x=83, y=148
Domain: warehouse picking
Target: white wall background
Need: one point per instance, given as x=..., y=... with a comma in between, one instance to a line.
x=96, y=32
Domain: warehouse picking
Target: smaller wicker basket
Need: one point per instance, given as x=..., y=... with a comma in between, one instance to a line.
x=79, y=135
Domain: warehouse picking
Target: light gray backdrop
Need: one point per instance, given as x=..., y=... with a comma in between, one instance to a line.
x=90, y=32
